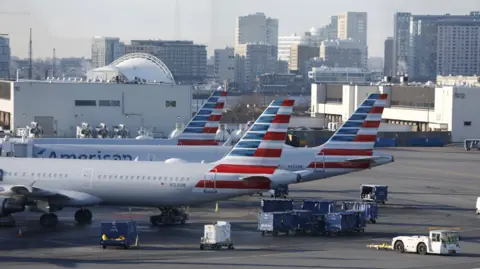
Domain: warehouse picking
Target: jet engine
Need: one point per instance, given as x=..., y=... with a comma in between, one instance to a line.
x=175, y=160
x=120, y=131
x=34, y=130
x=9, y=206
x=102, y=131
x=84, y=130
x=284, y=177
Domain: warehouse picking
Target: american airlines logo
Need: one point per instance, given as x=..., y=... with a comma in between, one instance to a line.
x=98, y=156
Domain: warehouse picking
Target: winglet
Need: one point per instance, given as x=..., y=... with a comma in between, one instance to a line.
x=260, y=149
x=202, y=129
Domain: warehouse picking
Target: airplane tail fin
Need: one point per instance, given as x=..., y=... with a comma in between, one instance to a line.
x=202, y=129
x=353, y=143
x=260, y=149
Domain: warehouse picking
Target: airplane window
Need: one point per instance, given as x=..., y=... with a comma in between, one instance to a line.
x=98, y=176
x=188, y=179
x=38, y=174
x=33, y=174
x=148, y=178
x=49, y=175
x=171, y=178
x=138, y=177
x=66, y=175
x=44, y=175
x=55, y=175
x=60, y=175
x=143, y=178
x=115, y=176
x=24, y=174
x=15, y=174
x=181, y=179
x=154, y=178
x=110, y=177
x=121, y=177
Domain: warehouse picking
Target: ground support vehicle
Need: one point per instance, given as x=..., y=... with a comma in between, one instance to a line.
x=437, y=242
x=119, y=233
x=217, y=236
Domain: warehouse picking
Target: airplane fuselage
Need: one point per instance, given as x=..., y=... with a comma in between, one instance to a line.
x=119, y=183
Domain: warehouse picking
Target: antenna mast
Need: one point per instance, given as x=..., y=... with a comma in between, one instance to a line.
x=30, y=68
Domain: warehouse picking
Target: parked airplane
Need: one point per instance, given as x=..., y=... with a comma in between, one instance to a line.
x=350, y=149
x=201, y=130
x=50, y=185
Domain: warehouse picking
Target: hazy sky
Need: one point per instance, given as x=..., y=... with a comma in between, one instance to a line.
x=69, y=25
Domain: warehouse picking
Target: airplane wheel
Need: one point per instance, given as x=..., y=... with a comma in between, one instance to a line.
x=48, y=220
x=83, y=216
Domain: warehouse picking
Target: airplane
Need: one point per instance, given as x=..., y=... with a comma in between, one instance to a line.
x=350, y=149
x=201, y=130
x=47, y=186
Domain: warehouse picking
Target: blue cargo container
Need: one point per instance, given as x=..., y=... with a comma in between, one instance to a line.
x=374, y=193
x=386, y=142
x=319, y=207
x=341, y=222
x=276, y=205
x=275, y=222
x=303, y=221
x=369, y=209
x=425, y=142
x=119, y=233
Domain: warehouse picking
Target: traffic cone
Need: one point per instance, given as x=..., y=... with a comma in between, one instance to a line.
x=20, y=234
x=216, y=207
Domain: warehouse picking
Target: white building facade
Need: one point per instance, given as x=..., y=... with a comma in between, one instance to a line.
x=224, y=64
x=256, y=28
x=448, y=108
x=338, y=75
x=105, y=50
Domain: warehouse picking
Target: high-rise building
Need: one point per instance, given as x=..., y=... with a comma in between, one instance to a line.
x=252, y=60
x=256, y=28
x=299, y=55
x=286, y=42
x=353, y=25
x=388, y=57
x=105, y=50
x=422, y=60
x=186, y=61
x=224, y=64
x=401, y=32
x=333, y=28
x=343, y=53
x=4, y=56
x=458, y=48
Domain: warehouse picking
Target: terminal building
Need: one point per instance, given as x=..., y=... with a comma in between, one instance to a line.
x=137, y=90
x=422, y=108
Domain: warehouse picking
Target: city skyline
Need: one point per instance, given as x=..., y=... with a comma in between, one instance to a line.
x=70, y=27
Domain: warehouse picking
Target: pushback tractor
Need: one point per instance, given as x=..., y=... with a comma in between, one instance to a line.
x=119, y=233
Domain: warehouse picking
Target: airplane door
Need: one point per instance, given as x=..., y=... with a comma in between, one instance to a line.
x=87, y=176
x=210, y=182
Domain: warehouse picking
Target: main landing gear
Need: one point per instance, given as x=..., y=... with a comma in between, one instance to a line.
x=82, y=216
x=169, y=216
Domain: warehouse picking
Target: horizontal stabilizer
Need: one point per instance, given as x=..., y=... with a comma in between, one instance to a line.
x=370, y=158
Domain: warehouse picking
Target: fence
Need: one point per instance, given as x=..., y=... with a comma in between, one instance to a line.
x=384, y=139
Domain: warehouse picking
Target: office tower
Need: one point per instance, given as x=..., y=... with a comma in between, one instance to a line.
x=252, y=60
x=458, y=47
x=224, y=64
x=343, y=53
x=105, y=50
x=299, y=56
x=333, y=28
x=422, y=61
x=186, y=61
x=388, y=57
x=353, y=25
x=401, y=32
x=256, y=28
x=4, y=56
x=286, y=42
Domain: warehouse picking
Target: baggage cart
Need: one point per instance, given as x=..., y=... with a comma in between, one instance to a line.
x=275, y=222
x=303, y=222
x=342, y=222
x=319, y=207
x=276, y=205
x=369, y=209
x=119, y=233
x=217, y=236
x=374, y=193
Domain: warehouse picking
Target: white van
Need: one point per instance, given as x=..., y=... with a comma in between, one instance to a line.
x=478, y=206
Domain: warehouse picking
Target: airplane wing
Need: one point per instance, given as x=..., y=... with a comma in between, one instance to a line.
x=58, y=197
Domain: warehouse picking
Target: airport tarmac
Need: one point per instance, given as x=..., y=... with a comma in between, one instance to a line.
x=434, y=187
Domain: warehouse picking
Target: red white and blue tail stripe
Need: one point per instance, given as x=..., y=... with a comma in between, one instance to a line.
x=351, y=147
x=202, y=129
